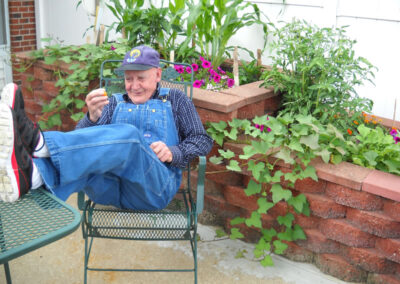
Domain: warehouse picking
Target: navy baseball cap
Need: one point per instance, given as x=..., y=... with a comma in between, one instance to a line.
x=140, y=58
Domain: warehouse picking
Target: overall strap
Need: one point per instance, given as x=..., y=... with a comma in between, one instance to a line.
x=163, y=93
x=119, y=97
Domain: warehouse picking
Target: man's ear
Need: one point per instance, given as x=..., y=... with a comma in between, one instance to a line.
x=158, y=74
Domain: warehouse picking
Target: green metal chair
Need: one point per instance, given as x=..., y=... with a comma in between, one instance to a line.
x=176, y=222
x=35, y=220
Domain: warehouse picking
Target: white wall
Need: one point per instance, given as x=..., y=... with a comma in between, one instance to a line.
x=375, y=24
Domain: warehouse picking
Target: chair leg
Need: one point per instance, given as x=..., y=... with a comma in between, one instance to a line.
x=7, y=272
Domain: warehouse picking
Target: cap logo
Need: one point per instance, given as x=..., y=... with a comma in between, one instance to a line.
x=135, y=53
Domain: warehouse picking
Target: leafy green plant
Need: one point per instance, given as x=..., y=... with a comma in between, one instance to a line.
x=293, y=140
x=316, y=70
x=85, y=62
x=249, y=72
x=375, y=149
x=211, y=24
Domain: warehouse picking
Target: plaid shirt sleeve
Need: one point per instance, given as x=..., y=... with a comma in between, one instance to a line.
x=193, y=139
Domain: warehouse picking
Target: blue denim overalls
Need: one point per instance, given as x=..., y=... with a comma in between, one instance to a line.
x=113, y=163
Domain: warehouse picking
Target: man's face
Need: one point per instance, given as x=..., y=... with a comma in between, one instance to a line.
x=140, y=85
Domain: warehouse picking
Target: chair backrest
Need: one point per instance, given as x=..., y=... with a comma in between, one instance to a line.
x=113, y=81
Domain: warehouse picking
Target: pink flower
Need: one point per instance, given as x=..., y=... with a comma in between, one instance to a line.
x=206, y=64
x=202, y=58
x=393, y=132
x=188, y=69
x=195, y=67
x=217, y=78
x=112, y=47
x=221, y=71
x=230, y=82
x=396, y=139
x=268, y=129
x=197, y=84
x=179, y=69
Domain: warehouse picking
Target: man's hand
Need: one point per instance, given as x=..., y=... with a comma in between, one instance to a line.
x=96, y=100
x=162, y=151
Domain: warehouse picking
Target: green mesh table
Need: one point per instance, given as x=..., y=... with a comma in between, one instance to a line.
x=35, y=220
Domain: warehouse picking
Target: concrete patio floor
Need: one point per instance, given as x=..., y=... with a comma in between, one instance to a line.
x=62, y=262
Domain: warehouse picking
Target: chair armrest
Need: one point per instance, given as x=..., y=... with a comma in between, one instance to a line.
x=200, y=184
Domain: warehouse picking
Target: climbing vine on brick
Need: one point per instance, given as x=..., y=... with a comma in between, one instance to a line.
x=294, y=140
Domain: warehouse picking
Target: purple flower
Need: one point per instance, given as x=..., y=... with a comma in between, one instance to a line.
x=179, y=69
x=217, y=78
x=221, y=71
x=257, y=126
x=393, y=132
x=197, y=84
x=206, y=64
x=396, y=139
x=112, y=47
x=268, y=129
x=195, y=67
x=230, y=82
x=188, y=69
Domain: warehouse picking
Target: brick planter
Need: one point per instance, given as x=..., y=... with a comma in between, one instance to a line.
x=354, y=226
x=353, y=232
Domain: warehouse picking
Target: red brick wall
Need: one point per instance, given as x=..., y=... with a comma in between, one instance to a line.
x=351, y=234
x=22, y=29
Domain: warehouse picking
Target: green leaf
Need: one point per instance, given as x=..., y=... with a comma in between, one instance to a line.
x=336, y=159
x=234, y=166
x=232, y=134
x=285, y=155
x=268, y=234
x=237, y=221
x=215, y=160
x=309, y=171
x=220, y=126
x=254, y=220
x=303, y=119
x=236, y=234
x=280, y=247
x=264, y=205
x=220, y=233
x=226, y=154
x=370, y=156
x=66, y=59
x=256, y=169
x=324, y=154
x=240, y=254
x=298, y=233
x=295, y=146
x=310, y=141
x=278, y=193
x=298, y=202
x=286, y=220
x=267, y=261
x=277, y=177
x=50, y=59
x=252, y=188
x=248, y=152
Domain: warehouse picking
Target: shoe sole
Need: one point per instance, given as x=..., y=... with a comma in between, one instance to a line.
x=8, y=94
x=9, y=189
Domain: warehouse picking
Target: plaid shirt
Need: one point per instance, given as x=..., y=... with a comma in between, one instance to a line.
x=193, y=139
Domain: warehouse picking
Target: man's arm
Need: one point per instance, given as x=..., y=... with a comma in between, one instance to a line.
x=105, y=118
x=194, y=139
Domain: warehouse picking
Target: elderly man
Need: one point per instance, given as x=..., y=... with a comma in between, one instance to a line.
x=126, y=152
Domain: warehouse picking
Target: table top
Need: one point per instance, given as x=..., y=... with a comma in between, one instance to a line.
x=35, y=220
